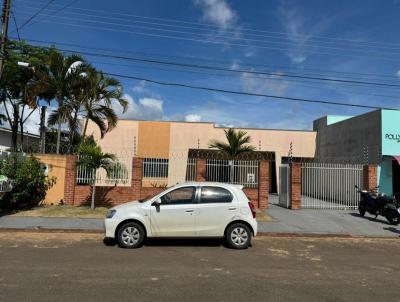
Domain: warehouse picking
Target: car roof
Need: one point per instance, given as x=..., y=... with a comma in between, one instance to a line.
x=206, y=183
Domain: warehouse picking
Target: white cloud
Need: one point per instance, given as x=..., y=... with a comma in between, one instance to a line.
x=398, y=73
x=32, y=123
x=144, y=109
x=300, y=30
x=273, y=84
x=218, y=12
x=140, y=87
x=193, y=118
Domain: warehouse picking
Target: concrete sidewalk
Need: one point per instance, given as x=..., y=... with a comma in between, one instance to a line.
x=285, y=222
x=327, y=222
x=51, y=223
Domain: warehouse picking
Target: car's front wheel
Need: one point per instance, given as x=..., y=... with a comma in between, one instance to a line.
x=131, y=235
x=238, y=236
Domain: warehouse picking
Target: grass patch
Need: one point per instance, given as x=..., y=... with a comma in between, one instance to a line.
x=263, y=216
x=64, y=211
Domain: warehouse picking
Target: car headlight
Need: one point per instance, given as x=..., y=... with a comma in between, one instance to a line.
x=111, y=213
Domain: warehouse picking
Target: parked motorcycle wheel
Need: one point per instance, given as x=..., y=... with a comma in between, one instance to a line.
x=393, y=220
x=362, y=211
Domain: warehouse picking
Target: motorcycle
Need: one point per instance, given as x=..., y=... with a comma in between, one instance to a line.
x=379, y=204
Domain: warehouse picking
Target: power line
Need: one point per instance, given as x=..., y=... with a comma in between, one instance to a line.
x=35, y=14
x=246, y=93
x=191, y=58
x=241, y=71
x=218, y=32
x=54, y=12
x=214, y=26
x=203, y=41
x=16, y=25
x=295, y=83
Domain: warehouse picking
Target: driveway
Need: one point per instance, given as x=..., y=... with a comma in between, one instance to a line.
x=79, y=267
x=310, y=221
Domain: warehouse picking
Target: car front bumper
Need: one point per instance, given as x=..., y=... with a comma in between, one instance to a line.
x=110, y=227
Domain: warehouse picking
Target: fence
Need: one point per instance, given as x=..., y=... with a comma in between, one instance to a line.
x=120, y=174
x=330, y=186
x=155, y=172
x=243, y=172
x=191, y=169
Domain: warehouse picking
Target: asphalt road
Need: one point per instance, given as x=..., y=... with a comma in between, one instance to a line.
x=79, y=267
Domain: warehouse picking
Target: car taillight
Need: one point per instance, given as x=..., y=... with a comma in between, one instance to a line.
x=252, y=209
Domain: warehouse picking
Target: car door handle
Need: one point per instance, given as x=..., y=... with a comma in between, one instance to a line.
x=189, y=211
x=231, y=209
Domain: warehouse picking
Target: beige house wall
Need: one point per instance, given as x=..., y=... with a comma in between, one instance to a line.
x=154, y=139
x=56, y=165
x=198, y=135
x=163, y=139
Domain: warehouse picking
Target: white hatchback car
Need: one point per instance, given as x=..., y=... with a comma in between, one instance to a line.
x=197, y=209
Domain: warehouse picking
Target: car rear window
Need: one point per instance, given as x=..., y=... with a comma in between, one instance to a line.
x=215, y=195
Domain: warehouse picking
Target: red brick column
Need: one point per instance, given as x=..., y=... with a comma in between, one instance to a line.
x=137, y=174
x=201, y=170
x=295, y=186
x=263, y=184
x=70, y=179
x=370, y=180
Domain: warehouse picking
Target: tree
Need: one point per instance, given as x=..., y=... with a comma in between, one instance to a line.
x=21, y=87
x=92, y=158
x=65, y=76
x=29, y=182
x=102, y=93
x=238, y=143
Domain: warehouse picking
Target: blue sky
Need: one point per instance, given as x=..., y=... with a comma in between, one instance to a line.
x=355, y=40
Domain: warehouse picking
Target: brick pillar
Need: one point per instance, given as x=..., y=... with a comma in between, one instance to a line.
x=295, y=186
x=370, y=175
x=137, y=173
x=70, y=179
x=201, y=170
x=263, y=184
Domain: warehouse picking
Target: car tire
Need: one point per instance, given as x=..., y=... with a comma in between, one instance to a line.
x=131, y=235
x=238, y=236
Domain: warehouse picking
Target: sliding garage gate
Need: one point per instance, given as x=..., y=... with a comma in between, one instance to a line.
x=330, y=186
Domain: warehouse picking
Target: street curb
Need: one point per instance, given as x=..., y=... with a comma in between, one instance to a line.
x=47, y=230
x=321, y=235
x=260, y=234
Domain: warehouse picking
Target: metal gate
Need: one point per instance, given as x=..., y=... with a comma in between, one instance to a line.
x=330, y=186
x=284, y=186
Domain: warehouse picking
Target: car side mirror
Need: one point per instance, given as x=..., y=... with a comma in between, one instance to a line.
x=156, y=202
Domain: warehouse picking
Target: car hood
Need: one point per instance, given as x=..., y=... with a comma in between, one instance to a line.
x=128, y=205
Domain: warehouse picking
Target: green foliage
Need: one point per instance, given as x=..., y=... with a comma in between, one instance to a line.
x=92, y=157
x=29, y=182
x=238, y=143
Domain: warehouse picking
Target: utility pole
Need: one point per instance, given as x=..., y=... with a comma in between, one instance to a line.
x=42, y=129
x=4, y=33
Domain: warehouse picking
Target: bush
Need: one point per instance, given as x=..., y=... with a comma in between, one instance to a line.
x=29, y=182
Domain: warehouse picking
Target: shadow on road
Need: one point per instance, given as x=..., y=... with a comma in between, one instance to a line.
x=378, y=219
x=393, y=229
x=209, y=242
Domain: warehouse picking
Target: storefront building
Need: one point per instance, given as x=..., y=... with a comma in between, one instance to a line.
x=371, y=138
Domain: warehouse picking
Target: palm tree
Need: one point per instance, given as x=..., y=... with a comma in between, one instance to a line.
x=63, y=73
x=238, y=143
x=103, y=92
x=92, y=158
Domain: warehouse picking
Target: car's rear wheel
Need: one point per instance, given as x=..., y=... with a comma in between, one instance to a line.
x=238, y=236
x=131, y=235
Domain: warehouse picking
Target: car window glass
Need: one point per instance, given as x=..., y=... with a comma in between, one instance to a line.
x=215, y=195
x=179, y=196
